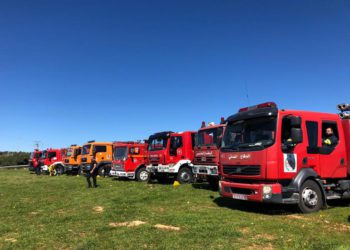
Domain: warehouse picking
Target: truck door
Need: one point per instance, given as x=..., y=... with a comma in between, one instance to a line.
x=332, y=157
x=175, y=149
x=293, y=146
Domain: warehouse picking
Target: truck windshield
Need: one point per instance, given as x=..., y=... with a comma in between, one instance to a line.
x=120, y=153
x=69, y=152
x=86, y=149
x=43, y=156
x=250, y=134
x=158, y=143
x=37, y=155
x=209, y=137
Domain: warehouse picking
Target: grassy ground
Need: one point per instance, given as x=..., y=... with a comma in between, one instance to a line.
x=61, y=213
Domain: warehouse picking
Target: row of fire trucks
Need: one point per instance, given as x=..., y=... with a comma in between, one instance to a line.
x=261, y=154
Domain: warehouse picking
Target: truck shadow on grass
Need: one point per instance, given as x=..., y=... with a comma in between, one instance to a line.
x=255, y=207
x=204, y=186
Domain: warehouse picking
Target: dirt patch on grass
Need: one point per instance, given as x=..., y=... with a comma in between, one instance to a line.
x=297, y=217
x=264, y=247
x=244, y=230
x=34, y=213
x=12, y=240
x=98, y=209
x=264, y=236
x=167, y=227
x=134, y=223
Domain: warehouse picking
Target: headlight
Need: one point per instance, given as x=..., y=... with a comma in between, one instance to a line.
x=267, y=192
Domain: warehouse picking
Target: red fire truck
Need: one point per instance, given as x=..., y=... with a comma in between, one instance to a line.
x=34, y=159
x=52, y=156
x=170, y=155
x=286, y=156
x=129, y=160
x=206, y=152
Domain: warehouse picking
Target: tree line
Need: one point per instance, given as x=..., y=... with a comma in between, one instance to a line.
x=8, y=158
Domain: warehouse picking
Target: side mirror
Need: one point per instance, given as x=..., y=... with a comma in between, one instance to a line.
x=296, y=135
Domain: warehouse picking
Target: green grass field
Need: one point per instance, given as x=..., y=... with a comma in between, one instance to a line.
x=61, y=213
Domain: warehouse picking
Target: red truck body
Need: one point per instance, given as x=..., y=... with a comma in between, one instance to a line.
x=206, y=152
x=34, y=159
x=277, y=156
x=51, y=156
x=170, y=155
x=129, y=160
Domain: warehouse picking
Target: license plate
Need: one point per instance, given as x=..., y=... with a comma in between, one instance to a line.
x=239, y=196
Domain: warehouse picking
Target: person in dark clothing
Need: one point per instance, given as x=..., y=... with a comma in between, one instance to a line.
x=330, y=140
x=92, y=173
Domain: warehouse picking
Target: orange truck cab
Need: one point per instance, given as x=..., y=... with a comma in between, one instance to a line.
x=129, y=160
x=170, y=155
x=296, y=157
x=102, y=151
x=72, y=159
x=206, y=152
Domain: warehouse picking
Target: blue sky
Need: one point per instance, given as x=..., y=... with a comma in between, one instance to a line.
x=71, y=71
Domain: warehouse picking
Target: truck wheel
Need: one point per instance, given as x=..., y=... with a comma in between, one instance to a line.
x=142, y=174
x=101, y=171
x=185, y=175
x=311, y=199
x=60, y=170
x=80, y=171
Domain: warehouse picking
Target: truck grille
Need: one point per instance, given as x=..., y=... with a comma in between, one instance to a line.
x=241, y=169
x=205, y=159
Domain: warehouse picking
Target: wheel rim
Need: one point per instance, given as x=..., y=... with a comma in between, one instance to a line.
x=185, y=176
x=310, y=197
x=143, y=175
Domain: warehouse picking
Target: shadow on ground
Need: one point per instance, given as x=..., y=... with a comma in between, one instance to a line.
x=255, y=207
x=204, y=185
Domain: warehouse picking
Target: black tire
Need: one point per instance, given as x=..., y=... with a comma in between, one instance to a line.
x=60, y=170
x=311, y=199
x=213, y=182
x=101, y=171
x=142, y=175
x=185, y=176
x=80, y=171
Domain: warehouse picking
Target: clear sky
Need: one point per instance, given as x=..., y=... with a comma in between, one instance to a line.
x=72, y=71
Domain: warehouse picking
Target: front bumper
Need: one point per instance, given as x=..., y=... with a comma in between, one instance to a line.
x=116, y=173
x=205, y=170
x=160, y=169
x=256, y=192
x=72, y=168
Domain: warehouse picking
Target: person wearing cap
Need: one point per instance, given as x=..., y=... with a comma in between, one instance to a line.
x=92, y=173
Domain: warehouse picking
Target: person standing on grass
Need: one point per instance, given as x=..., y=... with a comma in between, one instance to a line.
x=92, y=173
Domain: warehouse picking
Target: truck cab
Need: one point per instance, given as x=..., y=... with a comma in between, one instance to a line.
x=206, y=152
x=170, y=155
x=34, y=159
x=72, y=159
x=129, y=160
x=49, y=157
x=279, y=156
x=102, y=151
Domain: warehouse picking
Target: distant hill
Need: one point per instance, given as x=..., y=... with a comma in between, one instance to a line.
x=8, y=158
